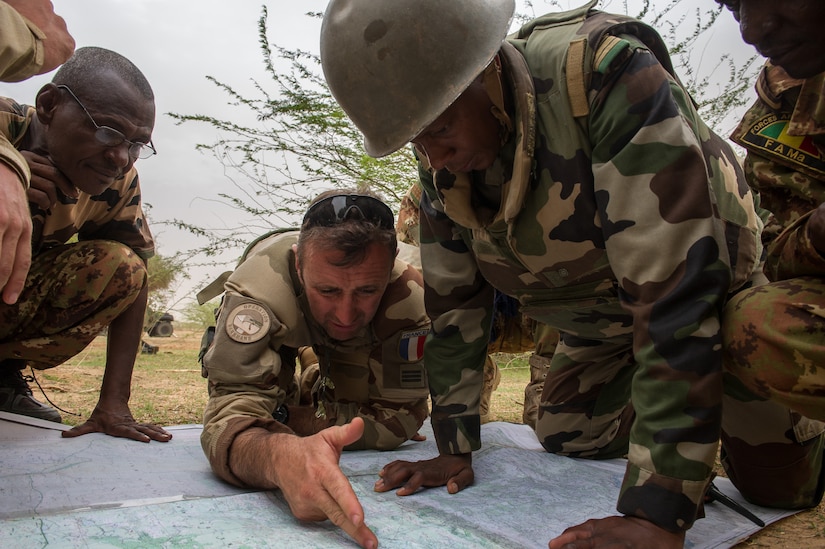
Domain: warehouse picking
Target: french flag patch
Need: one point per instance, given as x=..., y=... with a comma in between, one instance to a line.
x=411, y=346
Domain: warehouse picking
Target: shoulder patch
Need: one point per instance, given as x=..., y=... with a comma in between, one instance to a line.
x=608, y=49
x=411, y=346
x=768, y=136
x=247, y=323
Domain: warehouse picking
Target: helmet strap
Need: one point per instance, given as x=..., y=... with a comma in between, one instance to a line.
x=492, y=81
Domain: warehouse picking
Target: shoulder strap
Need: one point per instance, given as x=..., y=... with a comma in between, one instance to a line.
x=215, y=288
x=606, y=34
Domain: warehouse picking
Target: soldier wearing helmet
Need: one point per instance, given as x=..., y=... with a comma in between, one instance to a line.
x=564, y=165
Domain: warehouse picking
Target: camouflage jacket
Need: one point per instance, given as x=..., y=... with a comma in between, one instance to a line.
x=784, y=134
x=264, y=318
x=21, y=56
x=612, y=212
x=115, y=214
x=21, y=49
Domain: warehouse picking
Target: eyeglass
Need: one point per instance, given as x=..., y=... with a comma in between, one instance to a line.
x=112, y=138
x=340, y=207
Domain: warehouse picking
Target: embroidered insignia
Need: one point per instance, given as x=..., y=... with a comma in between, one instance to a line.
x=768, y=135
x=411, y=376
x=411, y=346
x=247, y=323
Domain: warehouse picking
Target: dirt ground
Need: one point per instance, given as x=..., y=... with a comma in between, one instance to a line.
x=176, y=393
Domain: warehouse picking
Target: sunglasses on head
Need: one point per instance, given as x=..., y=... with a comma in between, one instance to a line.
x=341, y=207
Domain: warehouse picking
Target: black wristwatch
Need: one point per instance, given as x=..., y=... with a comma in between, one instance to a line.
x=281, y=414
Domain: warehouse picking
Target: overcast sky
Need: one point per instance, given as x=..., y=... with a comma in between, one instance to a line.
x=177, y=43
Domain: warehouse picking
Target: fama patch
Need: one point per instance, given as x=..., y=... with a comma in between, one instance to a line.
x=247, y=323
x=411, y=346
x=768, y=136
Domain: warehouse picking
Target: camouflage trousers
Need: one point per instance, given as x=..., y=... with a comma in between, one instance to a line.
x=72, y=293
x=775, y=343
x=774, y=338
x=773, y=456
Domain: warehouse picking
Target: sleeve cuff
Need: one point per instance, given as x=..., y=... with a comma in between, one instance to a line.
x=12, y=158
x=217, y=450
x=457, y=435
x=670, y=503
x=22, y=54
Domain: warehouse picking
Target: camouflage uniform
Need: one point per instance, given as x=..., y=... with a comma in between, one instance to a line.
x=511, y=331
x=21, y=56
x=21, y=46
x=775, y=334
x=614, y=215
x=74, y=289
x=264, y=320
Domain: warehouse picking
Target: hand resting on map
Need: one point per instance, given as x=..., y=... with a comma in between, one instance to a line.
x=454, y=471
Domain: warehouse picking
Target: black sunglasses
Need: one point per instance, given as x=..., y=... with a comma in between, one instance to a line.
x=341, y=207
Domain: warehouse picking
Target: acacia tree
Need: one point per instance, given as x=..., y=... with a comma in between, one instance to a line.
x=725, y=87
x=302, y=142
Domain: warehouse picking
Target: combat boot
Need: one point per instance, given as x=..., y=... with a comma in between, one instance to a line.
x=16, y=397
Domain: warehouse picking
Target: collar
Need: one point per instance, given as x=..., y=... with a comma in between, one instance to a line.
x=775, y=86
x=456, y=190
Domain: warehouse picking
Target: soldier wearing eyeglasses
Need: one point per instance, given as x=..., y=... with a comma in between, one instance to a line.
x=83, y=268
x=337, y=286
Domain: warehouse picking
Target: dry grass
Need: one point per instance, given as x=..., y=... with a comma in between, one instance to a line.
x=168, y=389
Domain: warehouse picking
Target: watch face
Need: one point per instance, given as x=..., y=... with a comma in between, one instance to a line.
x=281, y=414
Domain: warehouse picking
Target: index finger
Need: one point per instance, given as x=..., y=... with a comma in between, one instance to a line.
x=360, y=532
x=344, y=510
x=394, y=474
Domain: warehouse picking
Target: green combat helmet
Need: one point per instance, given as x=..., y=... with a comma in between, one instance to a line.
x=395, y=65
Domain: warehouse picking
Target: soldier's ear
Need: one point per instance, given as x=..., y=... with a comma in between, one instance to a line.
x=297, y=263
x=47, y=101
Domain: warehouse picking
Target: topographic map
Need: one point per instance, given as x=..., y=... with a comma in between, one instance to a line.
x=97, y=491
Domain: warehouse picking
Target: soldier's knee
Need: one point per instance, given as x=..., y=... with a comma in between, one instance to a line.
x=773, y=343
x=578, y=435
x=106, y=261
x=741, y=329
x=98, y=271
x=125, y=263
x=785, y=476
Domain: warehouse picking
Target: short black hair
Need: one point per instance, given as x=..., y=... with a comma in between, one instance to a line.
x=81, y=72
